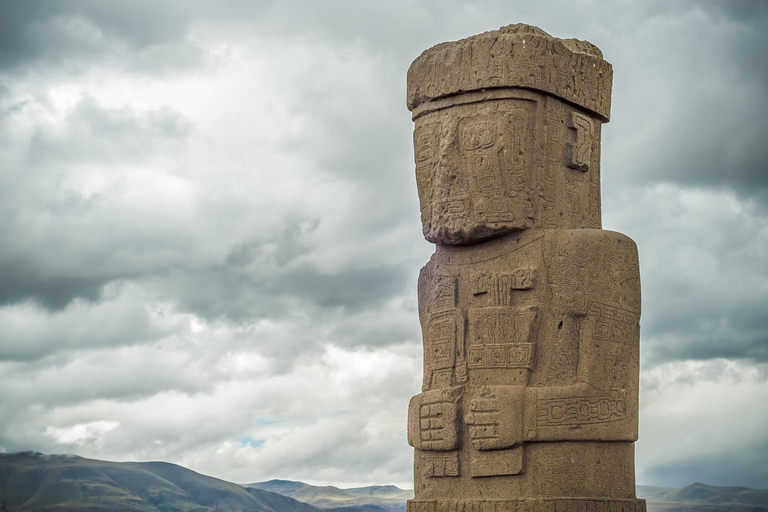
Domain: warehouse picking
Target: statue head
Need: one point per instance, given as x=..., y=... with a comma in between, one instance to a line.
x=502, y=145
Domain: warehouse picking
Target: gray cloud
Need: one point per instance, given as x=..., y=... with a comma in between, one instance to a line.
x=20, y=282
x=739, y=468
x=77, y=33
x=688, y=105
x=702, y=255
x=742, y=11
x=95, y=133
x=698, y=417
x=60, y=246
x=226, y=292
x=31, y=333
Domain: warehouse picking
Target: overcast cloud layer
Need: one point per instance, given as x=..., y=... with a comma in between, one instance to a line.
x=209, y=229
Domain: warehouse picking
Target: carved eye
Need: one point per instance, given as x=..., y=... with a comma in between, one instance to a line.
x=476, y=134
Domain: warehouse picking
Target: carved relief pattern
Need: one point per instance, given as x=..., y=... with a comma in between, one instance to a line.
x=445, y=361
x=484, y=420
x=444, y=333
x=594, y=206
x=530, y=59
x=548, y=178
x=426, y=139
x=445, y=464
x=433, y=419
x=437, y=422
x=581, y=149
x=494, y=147
x=500, y=337
x=474, y=171
x=498, y=286
x=510, y=355
x=580, y=411
x=616, y=331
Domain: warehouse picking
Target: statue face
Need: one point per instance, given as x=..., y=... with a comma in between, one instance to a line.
x=473, y=170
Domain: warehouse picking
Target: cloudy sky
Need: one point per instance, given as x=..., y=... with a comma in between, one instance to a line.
x=210, y=238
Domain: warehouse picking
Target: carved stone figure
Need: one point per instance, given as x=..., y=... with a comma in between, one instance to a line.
x=529, y=310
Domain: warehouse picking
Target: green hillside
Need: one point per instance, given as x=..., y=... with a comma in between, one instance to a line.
x=33, y=482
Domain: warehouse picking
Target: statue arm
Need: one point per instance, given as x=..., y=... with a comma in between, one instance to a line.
x=594, y=276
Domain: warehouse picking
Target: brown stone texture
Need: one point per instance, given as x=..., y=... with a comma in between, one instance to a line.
x=529, y=310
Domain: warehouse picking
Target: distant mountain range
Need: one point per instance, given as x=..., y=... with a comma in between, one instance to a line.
x=704, y=498
x=33, y=482
x=382, y=497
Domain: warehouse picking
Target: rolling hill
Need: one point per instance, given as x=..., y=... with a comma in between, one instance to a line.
x=33, y=482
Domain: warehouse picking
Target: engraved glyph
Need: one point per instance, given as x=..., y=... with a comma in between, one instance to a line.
x=580, y=411
x=501, y=337
x=445, y=339
x=441, y=464
x=580, y=151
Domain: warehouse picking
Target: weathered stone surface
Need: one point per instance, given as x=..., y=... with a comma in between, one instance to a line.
x=529, y=311
x=514, y=56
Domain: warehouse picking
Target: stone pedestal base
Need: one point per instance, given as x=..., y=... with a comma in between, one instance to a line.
x=529, y=505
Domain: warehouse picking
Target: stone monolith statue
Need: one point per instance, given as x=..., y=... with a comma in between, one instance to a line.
x=529, y=310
